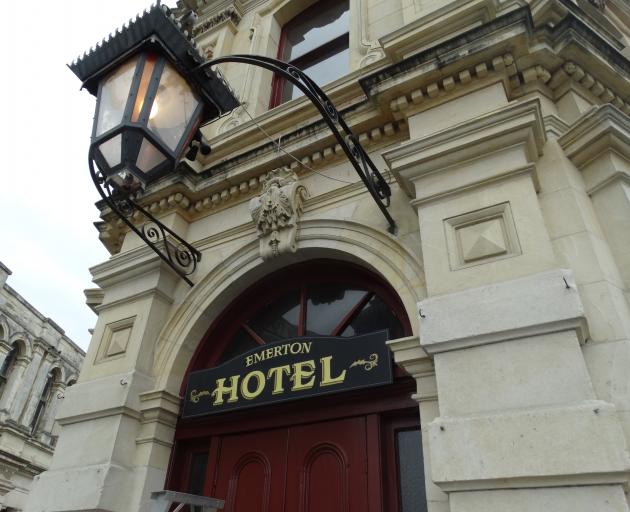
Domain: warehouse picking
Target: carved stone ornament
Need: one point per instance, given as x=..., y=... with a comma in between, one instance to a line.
x=276, y=212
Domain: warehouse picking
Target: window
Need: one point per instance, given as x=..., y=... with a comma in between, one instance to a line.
x=7, y=366
x=318, y=298
x=44, y=399
x=317, y=42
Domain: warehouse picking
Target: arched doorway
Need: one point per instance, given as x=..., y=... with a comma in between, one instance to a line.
x=353, y=451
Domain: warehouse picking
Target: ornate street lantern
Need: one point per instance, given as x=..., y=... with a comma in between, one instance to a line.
x=145, y=114
x=153, y=90
x=152, y=94
x=151, y=97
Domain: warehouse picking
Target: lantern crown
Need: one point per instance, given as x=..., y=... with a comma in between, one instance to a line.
x=156, y=29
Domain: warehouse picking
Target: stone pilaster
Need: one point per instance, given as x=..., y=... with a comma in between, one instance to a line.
x=411, y=356
x=102, y=476
x=38, y=388
x=598, y=144
x=519, y=419
x=23, y=392
x=47, y=422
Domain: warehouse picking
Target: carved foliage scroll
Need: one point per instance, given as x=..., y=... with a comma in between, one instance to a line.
x=276, y=212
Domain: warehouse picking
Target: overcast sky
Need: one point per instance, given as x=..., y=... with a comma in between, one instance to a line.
x=47, y=237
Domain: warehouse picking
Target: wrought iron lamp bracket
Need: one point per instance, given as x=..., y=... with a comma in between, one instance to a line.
x=179, y=254
x=362, y=163
x=168, y=245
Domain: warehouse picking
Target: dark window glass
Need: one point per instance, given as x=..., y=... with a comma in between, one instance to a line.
x=43, y=401
x=310, y=308
x=314, y=27
x=241, y=342
x=7, y=366
x=198, y=464
x=317, y=42
x=374, y=316
x=411, y=471
x=279, y=320
x=328, y=305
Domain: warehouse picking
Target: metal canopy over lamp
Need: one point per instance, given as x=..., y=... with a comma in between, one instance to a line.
x=153, y=90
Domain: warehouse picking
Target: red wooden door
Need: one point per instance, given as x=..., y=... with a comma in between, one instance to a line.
x=319, y=467
x=251, y=471
x=327, y=467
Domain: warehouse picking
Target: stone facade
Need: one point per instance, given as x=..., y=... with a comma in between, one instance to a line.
x=32, y=348
x=504, y=130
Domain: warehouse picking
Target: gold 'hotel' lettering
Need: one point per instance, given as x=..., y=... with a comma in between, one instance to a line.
x=298, y=376
x=302, y=347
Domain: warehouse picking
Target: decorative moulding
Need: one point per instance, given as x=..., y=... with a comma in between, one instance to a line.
x=115, y=339
x=517, y=129
x=231, y=14
x=529, y=306
x=411, y=356
x=454, y=18
x=481, y=236
x=601, y=129
x=572, y=73
x=276, y=212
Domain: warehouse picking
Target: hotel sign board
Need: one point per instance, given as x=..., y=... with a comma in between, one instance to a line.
x=290, y=370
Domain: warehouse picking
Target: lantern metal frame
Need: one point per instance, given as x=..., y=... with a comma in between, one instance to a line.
x=127, y=127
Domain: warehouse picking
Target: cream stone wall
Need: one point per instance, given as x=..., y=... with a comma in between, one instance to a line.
x=42, y=346
x=503, y=130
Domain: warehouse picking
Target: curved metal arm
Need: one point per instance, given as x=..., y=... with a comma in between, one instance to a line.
x=168, y=245
x=365, y=168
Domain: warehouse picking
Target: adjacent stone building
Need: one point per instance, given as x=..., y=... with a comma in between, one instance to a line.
x=503, y=129
x=37, y=363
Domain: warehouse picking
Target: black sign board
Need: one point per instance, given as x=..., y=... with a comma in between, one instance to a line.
x=289, y=370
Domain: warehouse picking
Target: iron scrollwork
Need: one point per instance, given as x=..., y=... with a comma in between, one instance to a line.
x=373, y=180
x=168, y=245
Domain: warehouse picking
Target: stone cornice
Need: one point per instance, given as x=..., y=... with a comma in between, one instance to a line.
x=554, y=125
x=231, y=14
x=537, y=55
x=600, y=135
x=518, y=124
x=454, y=18
x=134, y=265
x=601, y=129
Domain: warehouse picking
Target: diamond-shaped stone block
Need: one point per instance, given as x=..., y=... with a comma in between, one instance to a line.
x=118, y=342
x=482, y=240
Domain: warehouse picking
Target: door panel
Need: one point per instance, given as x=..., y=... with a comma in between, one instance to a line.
x=320, y=467
x=250, y=475
x=326, y=467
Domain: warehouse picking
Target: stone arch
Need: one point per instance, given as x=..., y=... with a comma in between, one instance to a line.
x=24, y=342
x=343, y=240
x=58, y=374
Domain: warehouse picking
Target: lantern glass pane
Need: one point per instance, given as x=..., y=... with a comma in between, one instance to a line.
x=147, y=71
x=111, y=150
x=149, y=156
x=114, y=94
x=173, y=108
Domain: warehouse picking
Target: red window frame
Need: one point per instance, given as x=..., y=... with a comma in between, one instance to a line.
x=313, y=56
x=226, y=325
